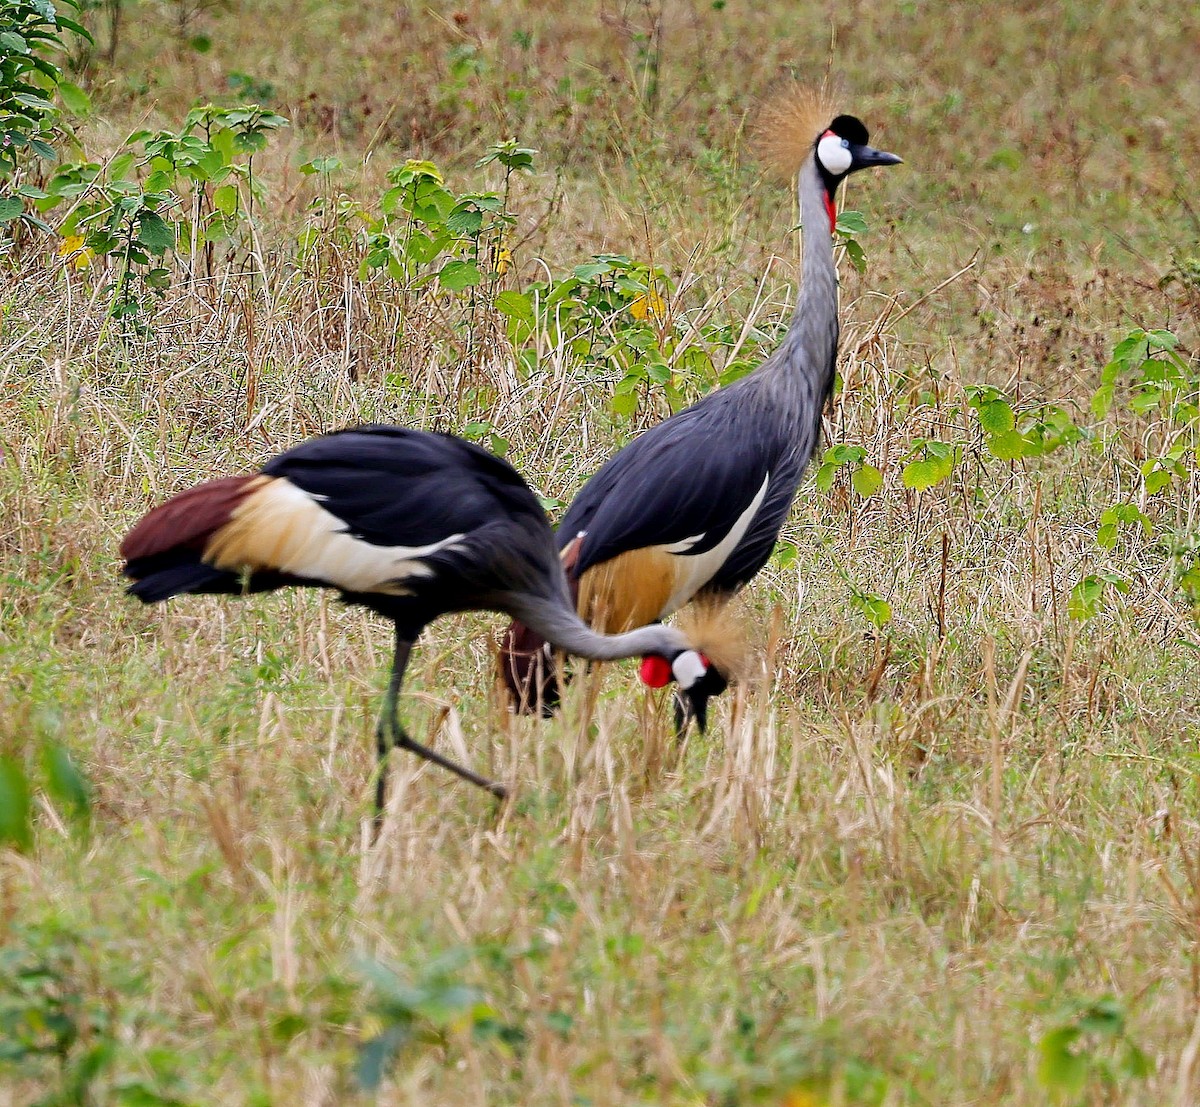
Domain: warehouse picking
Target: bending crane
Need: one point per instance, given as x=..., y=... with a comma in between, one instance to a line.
x=409, y=524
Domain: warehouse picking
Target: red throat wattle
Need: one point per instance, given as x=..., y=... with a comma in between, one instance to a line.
x=656, y=671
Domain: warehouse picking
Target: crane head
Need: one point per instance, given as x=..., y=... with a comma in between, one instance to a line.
x=841, y=149
x=794, y=126
x=698, y=679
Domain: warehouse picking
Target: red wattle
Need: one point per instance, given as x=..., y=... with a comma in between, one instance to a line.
x=656, y=671
x=829, y=207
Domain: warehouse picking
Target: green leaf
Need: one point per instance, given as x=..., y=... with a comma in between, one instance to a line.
x=866, y=480
x=786, y=555
x=154, y=232
x=74, y=98
x=321, y=165
x=37, y=103
x=516, y=305
x=13, y=43
x=465, y=222
x=857, y=256
x=1059, y=1068
x=225, y=199
x=119, y=166
x=1008, y=445
x=457, y=275
x=825, y=475
x=851, y=223
x=877, y=610
x=1156, y=481
x=16, y=806
x=624, y=403
x=10, y=209
x=592, y=270
x=996, y=417
x=1085, y=598
x=922, y=474
x=64, y=781
x=1102, y=400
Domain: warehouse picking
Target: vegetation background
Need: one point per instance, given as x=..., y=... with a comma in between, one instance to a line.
x=943, y=849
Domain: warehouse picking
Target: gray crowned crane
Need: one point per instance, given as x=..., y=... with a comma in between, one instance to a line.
x=407, y=523
x=693, y=506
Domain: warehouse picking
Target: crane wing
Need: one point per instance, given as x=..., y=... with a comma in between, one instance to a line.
x=685, y=485
x=392, y=486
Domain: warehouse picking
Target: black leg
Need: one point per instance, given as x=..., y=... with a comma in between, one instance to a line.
x=390, y=733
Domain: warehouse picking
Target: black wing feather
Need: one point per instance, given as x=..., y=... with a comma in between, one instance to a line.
x=393, y=486
x=694, y=474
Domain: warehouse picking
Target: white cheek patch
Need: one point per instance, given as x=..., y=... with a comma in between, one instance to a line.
x=835, y=157
x=688, y=668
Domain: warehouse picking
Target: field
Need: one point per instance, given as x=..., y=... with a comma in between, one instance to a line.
x=942, y=848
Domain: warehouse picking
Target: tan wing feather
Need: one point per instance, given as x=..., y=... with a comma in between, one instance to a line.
x=628, y=591
x=279, y=526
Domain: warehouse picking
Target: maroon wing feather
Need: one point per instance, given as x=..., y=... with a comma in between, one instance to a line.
x=186, y=521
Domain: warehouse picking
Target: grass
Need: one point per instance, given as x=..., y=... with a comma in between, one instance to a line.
x=952, y=860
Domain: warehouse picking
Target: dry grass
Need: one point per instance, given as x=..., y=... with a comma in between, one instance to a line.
x=897, y=860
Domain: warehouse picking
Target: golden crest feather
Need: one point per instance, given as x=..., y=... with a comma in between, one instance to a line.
x=789, y=123
x=717, y=628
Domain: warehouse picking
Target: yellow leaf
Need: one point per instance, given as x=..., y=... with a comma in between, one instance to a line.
x=70, y=244
x=802, y=1097
x=74, y=252
x=650, y=303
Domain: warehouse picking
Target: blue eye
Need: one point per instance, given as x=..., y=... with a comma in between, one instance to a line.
x=846, y=143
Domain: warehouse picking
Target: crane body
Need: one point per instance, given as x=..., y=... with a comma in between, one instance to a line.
x=693, y=506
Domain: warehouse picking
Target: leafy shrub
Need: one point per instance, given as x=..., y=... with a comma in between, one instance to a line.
x=29, y=120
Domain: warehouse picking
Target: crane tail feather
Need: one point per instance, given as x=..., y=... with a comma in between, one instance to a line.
x=164, y=552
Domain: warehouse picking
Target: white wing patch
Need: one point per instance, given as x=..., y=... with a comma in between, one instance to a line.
x=694, y=571
x=280, y=526
x=684, y=544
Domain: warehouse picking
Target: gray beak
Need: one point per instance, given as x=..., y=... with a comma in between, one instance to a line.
x=864, y=157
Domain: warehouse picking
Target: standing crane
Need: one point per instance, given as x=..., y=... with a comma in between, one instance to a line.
x=409, y=524
x=694, y=505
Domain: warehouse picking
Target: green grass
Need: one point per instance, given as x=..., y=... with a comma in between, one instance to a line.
x=907, y=865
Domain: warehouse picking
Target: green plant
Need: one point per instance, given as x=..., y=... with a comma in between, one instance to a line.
x=865, y=479
x=929, y=463
x=407, y=1014
x=63, y=1034
x=31, y=33
x=850, y=225
x=1091, y=1042
x=1164, y=390
x=63, y=782
x=1013, y=433
x=1164, y=380
x=182, y=195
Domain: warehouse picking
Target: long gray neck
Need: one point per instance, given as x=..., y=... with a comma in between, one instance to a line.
x=563, y=629
x=804, y=363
